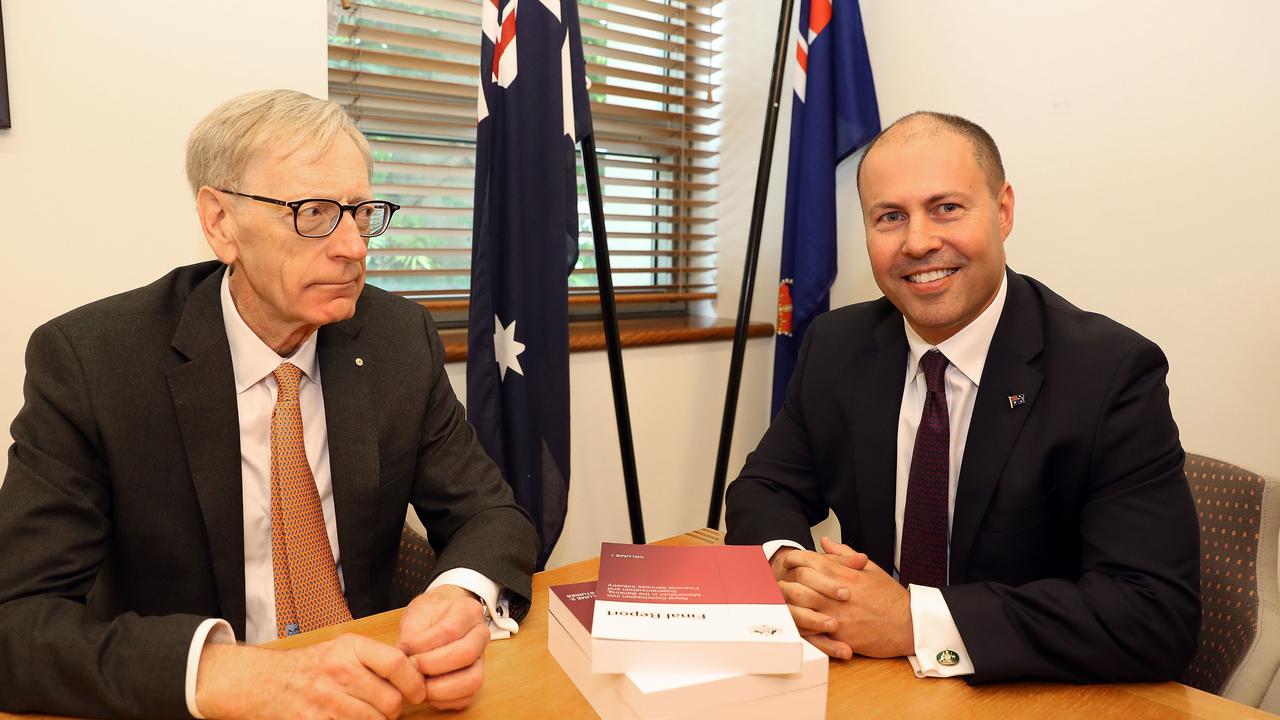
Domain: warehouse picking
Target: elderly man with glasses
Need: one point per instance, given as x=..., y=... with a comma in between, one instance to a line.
x=228, y=453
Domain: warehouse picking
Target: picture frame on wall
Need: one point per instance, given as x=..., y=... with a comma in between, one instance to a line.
x=4, y=80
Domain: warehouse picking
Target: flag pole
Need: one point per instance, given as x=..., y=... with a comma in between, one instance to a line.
x=749, y=269
x=612, y=340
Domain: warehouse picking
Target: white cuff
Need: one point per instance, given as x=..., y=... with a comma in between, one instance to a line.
x=940, y=651
x=496, y=600
x=211, y=630
x=774, y=546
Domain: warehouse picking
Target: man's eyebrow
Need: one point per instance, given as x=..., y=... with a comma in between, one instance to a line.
x=949, y=195
x=881, y=205
x=318, y=192
x=933, y=199
x=353, y=200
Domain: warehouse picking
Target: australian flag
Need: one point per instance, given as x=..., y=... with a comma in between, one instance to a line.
x=532, y=109
x=833, y=115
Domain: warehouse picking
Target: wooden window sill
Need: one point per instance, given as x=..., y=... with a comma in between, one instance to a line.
x=588, y=335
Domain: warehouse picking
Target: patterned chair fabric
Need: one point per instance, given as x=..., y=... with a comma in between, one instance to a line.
x=1239, y=651
x=413, y=567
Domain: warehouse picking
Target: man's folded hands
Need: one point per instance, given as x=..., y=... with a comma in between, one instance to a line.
x=843, y=603
x=439, y=660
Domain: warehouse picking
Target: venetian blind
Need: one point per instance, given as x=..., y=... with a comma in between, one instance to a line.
x=406, y=70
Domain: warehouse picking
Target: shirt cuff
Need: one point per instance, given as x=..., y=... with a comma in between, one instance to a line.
x=774, y=546
x=496, y=599
x=211, y=630
x=940, y=651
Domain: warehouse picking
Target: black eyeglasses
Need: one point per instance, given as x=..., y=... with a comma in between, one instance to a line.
x=318, y=217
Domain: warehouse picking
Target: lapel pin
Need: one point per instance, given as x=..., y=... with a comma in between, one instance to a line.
x=360, y=363
x=1016, y=400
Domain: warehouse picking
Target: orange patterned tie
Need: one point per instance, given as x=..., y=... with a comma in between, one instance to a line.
x=308, y=595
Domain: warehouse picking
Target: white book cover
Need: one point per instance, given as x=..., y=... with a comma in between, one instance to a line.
x=664, y=694
x=677, y=696
x=690, y=609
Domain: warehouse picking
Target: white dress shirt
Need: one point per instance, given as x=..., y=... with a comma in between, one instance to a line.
x=253, y=365
x=933, y=627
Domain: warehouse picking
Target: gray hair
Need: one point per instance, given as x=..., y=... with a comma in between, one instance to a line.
x=227, y=139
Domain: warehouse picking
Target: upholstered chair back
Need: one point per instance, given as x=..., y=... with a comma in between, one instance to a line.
x=1239, y=652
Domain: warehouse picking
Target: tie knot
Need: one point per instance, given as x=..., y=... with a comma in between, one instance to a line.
x=934, y=364
x=287, y=377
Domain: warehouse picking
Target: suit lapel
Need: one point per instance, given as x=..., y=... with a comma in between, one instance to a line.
x=204, y=397
x=996, y=422
x=353, y=454
x=880, y=370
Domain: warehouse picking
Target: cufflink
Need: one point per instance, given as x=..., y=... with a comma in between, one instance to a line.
x=948, y=658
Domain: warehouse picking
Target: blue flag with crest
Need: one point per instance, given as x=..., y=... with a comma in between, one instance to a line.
x=532, y=109
x=834, y=113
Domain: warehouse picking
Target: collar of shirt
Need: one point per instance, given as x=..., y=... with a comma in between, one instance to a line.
x=251, y=359
x=967, y=349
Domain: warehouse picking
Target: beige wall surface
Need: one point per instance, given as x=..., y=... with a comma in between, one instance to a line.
x=93, y=197
x=1142, y=143
x=102, y=108
x=676, y=393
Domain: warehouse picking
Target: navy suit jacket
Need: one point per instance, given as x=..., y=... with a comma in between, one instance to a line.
x=1074, y=541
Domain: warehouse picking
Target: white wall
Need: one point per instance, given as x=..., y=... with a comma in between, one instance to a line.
x=676, y=393
x=1141, y=140
x=93, y=198
x=101, y=112
x=1137, y=138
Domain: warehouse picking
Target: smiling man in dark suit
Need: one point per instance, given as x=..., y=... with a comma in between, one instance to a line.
x=229, y=453
x=1004, y=466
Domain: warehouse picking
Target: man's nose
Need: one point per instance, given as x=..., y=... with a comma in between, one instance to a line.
x=346, y=241
x=922, y=239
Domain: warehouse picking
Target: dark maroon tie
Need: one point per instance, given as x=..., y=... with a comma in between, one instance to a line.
x=924, y=521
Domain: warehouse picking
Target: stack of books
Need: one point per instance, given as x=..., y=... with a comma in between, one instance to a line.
x=685, y=632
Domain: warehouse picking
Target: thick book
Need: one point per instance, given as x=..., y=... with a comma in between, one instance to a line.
x=690, y=609
x=676, y=696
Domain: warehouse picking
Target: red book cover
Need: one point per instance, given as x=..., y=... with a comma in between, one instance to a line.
x=713, y=574
x=690, y=609
x=579, y=599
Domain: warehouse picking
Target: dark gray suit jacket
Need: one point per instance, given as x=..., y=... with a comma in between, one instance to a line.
x=1074, y=542
x=120, y=515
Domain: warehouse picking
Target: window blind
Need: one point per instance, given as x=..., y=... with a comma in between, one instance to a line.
x=406, y=71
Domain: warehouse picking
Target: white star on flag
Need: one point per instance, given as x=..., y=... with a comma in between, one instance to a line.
x=505, y=348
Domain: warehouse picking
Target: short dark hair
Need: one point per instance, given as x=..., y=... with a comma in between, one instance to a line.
x=984, y=148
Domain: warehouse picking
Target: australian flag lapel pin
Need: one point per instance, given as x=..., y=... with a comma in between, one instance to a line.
x=1017, y=400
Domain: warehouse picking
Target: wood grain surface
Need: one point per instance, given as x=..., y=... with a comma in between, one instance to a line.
x=524, y=681
x=587, y=335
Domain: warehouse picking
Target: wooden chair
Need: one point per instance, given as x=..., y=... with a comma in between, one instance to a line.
x=1239, y=652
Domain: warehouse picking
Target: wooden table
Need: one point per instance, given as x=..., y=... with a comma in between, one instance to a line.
x=524, y=681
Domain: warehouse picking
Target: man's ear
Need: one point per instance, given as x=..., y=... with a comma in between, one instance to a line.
x=1005, y=200
x=218, y=223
